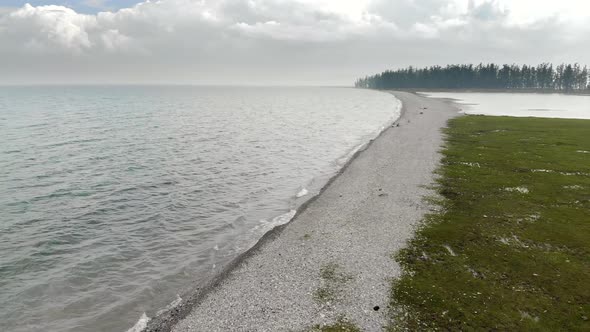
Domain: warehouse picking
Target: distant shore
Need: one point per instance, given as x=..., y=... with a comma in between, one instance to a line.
x=333, y=262
x=540, y=91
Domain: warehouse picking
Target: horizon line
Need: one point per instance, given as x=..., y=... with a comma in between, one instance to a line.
x=174, y=84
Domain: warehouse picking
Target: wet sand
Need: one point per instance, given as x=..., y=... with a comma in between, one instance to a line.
x=334, y=259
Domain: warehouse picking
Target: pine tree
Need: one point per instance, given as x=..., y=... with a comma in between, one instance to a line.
x=564, y=77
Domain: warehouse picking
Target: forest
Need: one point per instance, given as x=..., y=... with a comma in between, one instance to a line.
x=545, y=77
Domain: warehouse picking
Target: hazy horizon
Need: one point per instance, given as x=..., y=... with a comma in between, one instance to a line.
x=275, y=42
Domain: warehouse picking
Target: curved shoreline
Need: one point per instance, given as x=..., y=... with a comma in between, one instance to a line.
x=168, y=320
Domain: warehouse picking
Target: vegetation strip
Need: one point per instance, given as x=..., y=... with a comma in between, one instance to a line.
x=333, y=278
x=509, y=248
x=544, y=77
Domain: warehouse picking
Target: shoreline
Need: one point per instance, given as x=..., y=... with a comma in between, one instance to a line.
x=466, y=90
x=166, y=318
x=165, y=321
x=180, y=314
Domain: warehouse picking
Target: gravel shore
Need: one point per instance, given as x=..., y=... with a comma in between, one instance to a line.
x=334, y=259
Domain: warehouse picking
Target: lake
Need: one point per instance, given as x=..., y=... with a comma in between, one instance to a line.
x=520, y=104
x=115, y=200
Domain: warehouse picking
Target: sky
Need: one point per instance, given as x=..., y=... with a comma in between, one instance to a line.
x=276, y=42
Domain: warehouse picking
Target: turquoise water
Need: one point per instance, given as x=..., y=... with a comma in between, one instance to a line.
x=115, y=200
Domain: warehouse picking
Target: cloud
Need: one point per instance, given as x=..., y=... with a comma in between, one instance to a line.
x=49, y=27
x=57, y=29
x=229, y=40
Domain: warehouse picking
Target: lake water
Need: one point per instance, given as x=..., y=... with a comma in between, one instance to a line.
x=113, y=200
x=521, y=104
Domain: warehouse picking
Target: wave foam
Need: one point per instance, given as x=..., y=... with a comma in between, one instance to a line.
x=141, y=324
x=171, y=305
x=302, y=192
x=282, y=219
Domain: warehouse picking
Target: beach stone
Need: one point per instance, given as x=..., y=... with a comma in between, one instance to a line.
x=348, y=258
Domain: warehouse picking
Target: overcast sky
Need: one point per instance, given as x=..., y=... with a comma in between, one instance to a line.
x=265, y=42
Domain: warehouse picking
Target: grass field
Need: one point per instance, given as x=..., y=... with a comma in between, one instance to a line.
x=509, y=249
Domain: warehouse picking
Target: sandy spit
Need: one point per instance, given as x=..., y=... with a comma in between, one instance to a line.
x=334, y=259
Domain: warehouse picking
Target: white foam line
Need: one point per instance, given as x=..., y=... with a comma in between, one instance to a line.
x=141, y=324
x=302, y=192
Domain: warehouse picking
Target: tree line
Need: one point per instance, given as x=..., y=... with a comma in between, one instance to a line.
x=563, y=77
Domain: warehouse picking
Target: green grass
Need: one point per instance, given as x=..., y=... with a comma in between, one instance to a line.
x=334, y=273
x=333, y=278
x=510, y=248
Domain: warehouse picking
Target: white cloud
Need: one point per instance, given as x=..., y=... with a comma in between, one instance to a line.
x=199, y=37
x=51, y=27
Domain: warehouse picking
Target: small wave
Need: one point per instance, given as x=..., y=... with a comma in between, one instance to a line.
x=302, y=192
x=170, y=306
x=368, y=139
x=141, y=324
x=282, y=219
x=344, y=159
x=72, y=142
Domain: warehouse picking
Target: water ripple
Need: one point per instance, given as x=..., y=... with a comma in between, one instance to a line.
x=115, y=200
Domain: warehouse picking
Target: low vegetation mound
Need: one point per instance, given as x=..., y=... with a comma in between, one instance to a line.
x=509, y=248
